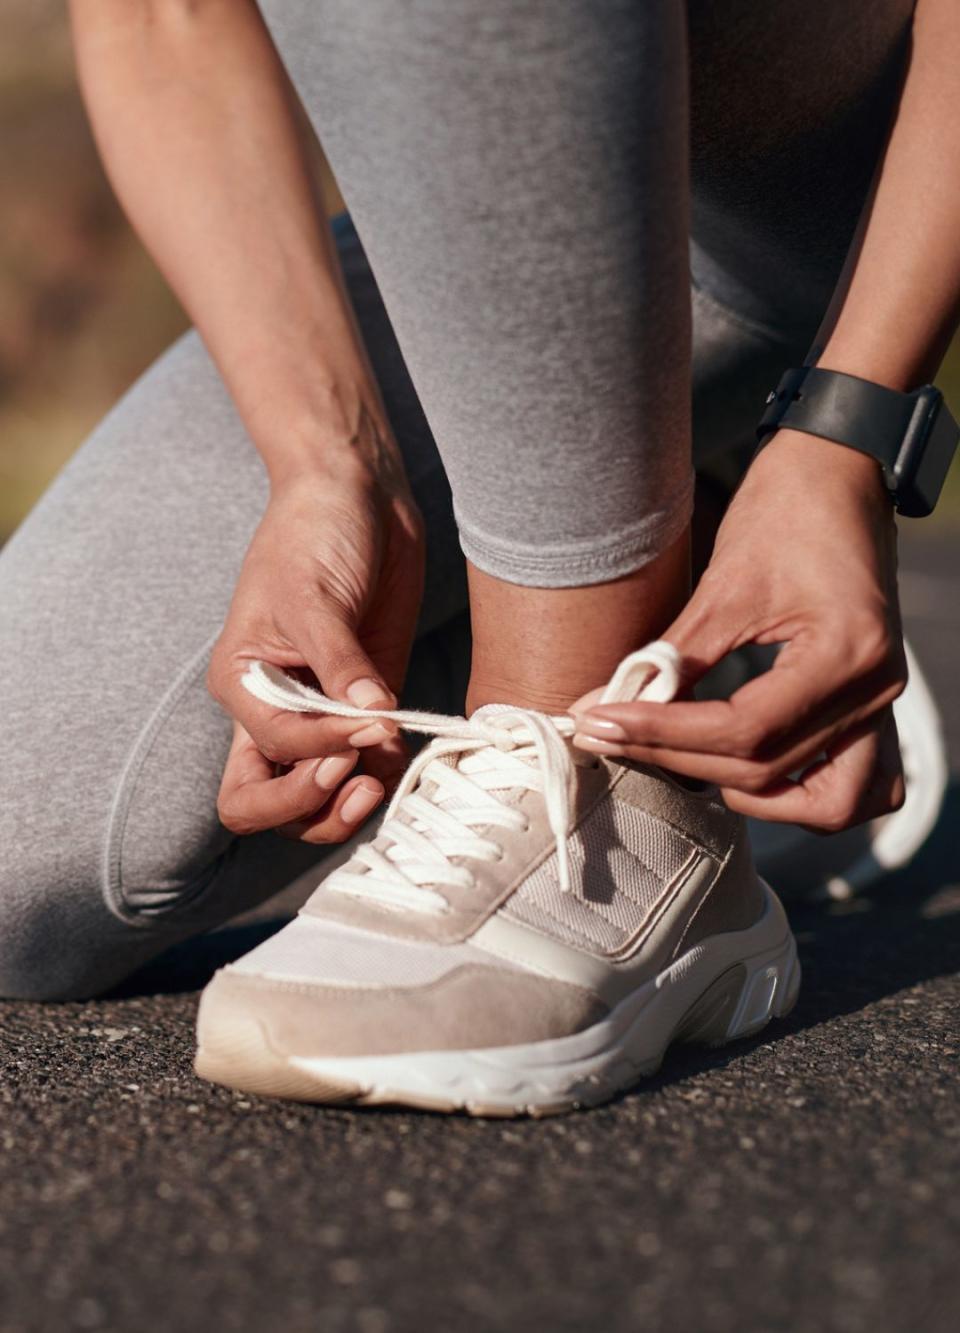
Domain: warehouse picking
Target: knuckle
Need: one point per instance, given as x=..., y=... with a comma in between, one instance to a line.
x=892, y=798
x=273, y=749
x=344, y=662
x=900, y=673
x=414, y=521
x=749, y=778
x=290, y=833
x=323, y=836
x=842, y=812
x=327, y=839
x=897, y=795
x=747, y=739
x=214, y=677
x=231, y=817
x=759, y=778
x=872, y=645
x=823, y=823
x=736, y=800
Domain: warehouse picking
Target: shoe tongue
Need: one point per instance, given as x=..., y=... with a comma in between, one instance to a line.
x=509, y=792
x=651, y=674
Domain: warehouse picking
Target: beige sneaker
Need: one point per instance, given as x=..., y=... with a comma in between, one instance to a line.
x=527, y=932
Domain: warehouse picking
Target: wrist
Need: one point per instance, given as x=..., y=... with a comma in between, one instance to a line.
x=314, y=464
x=819, y=466
x=356, y=449
x=884, y=360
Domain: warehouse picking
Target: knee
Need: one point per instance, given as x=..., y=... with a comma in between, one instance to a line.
x=59, y=939
x=45, y=952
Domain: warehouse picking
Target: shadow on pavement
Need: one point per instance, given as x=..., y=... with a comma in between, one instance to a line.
x=905, y=930
x=190, y=965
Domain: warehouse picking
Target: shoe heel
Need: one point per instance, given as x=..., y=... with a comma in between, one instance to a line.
x=744, y=998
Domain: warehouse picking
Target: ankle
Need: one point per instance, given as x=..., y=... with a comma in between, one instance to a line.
x=543, y=648
x=544, y=697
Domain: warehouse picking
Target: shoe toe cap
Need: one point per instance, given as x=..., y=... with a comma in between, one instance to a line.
x=251, y=1027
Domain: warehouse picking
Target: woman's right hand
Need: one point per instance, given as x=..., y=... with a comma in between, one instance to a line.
x=330, y=587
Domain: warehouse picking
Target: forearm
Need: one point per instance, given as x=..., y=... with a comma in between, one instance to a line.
x=204, y=141
x=898, y=304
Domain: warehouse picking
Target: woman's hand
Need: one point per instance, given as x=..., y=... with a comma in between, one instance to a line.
x=806, y=556
x=331, y=586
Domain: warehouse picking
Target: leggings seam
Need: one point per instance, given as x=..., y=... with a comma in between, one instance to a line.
x=622, y=553
x=746, y=322
x=126, y=785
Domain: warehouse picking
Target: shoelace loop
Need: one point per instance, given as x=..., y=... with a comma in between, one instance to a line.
x=531, y=751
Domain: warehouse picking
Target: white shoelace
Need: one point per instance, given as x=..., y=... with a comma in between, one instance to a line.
x=499, y=749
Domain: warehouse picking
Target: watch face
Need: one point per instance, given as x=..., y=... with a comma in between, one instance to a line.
x=924, y=461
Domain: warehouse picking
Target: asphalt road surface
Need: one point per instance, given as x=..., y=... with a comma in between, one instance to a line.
x=809, y=1180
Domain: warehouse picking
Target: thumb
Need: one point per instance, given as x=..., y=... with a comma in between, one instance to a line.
x=704, y=632
x=700, y=635
x=346, y=672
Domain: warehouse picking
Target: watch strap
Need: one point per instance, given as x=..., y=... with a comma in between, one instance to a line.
x=911, y=435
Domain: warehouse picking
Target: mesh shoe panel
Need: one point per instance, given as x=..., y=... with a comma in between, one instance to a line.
x=313, y=950
x=621, y=858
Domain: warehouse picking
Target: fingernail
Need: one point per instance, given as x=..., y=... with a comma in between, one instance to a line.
x=585, y=702
x=331, y=772
x=369, y=693
x=359, y=804
x=602, y=728
x=594, y=745
x=373, y=733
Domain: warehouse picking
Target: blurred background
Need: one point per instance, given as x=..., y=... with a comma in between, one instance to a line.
x=82, y=309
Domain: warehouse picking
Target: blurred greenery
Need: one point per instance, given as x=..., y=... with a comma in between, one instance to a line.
x=82, y=309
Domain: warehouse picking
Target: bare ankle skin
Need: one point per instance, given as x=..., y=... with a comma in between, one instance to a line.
x=544, y=647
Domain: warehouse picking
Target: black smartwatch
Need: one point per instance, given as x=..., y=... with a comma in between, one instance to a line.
x=912, y=436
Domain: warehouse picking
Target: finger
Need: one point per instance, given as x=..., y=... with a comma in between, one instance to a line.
x=706, y=630
x=860, y=779
x=390, y=623
x=346, y=671
x=387, y=762
x=586, y=702
x=720, y=770
x=285, y=737
x=735, y=726
x=338, y=821
x=749, y=775
x=252, y=798
x=811, y=693
x=701, y=638
x=745, y=774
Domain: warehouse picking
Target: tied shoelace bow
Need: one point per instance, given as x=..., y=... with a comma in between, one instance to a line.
x=470, y=759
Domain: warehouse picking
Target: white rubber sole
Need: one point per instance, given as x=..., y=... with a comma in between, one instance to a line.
x=726, y=987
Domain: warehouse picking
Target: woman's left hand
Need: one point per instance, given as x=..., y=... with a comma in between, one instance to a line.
x=805, y=556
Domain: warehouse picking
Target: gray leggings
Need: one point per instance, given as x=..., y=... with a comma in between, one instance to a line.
x=517, y=172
